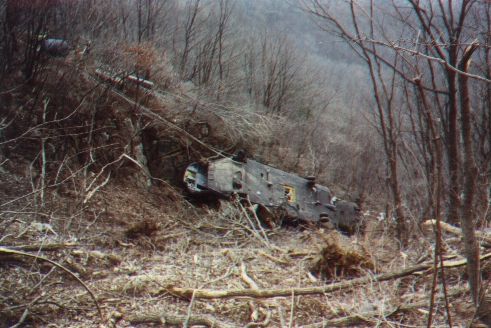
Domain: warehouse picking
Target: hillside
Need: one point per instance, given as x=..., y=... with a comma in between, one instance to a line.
x=103, y=105
x=75, y=191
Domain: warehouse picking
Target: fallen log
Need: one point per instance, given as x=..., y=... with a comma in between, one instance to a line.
x=288, y=292
x=41, y=247
x=178, y=320
x=457, y=231
x=370, y=317
x=12, y=252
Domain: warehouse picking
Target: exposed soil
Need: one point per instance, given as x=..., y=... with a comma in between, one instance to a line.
x=128, y=244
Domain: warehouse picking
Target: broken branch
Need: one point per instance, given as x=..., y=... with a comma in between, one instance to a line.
x=40, y=247
x=368, y=317
x=7, y=251
x=457, y=231
x=287, y=292
x=179, y=320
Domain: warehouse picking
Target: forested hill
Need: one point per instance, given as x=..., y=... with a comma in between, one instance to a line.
x=104, y=103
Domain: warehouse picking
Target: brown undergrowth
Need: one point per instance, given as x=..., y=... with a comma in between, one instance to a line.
x=339, y=258
x=78, y=192
x=130, y=244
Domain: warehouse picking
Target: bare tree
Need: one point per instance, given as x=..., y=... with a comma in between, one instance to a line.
x=189, y=34
x=210, y=51
x=150, y=16
x=383, y=87
x=442, y=46
x=272, y=71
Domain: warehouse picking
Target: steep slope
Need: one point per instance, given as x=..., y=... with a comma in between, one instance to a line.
x=96, y=231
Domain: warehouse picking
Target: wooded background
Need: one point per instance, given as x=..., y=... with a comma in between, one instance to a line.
x=386, y=102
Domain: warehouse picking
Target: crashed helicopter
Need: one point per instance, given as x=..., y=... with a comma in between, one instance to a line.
x=277, y=191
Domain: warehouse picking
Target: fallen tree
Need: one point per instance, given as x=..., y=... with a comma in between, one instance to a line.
x=367, y=317
x=12, y=252
x=288, y=292
x=41, y=247
x=346, y=321
x=457, y=231
x=176, y=319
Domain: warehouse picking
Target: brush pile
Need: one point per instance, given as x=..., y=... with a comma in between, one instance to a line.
x=340, y=258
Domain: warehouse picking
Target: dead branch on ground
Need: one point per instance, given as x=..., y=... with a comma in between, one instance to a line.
x=40, y=247
x=255, y=313
x=369, y=317
x=175, y=319
x=457, y=231
x=287, y=292
x=7, y=251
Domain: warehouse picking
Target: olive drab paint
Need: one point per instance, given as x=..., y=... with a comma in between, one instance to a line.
x=299, y=198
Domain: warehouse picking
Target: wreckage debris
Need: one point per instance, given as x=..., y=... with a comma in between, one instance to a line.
x=55, y=47
x=122, y=79
x=276, y=190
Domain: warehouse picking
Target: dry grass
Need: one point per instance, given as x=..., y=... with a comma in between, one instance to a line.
x=198, y=248
x=129, y=241
x=338, y=258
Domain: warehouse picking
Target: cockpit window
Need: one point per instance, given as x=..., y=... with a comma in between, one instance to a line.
x=237, y=180
x=290, y=194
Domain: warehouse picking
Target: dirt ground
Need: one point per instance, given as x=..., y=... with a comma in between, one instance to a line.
x=131, y=246
x=81, y=247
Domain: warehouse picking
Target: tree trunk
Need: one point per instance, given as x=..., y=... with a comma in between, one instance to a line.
x=468, y=218
x=453, y=152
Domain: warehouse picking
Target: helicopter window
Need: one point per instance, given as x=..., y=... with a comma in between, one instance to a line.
x=190, y=177
x=237, y=180
x=290, y=194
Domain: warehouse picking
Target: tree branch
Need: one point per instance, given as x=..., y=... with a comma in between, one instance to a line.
x=176, y=319
x=445, y=63
x=7, y=251
x=40, y=247
x=368, y=317
x=457, y=231
x=287, y=292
